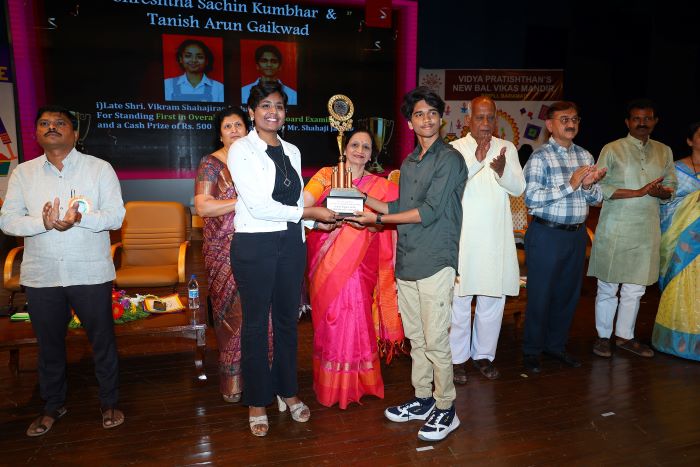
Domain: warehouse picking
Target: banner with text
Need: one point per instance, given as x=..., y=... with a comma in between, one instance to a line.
x=522, y=98
x=146, y=77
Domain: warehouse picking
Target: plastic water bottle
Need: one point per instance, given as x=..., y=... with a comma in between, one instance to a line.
x=193, y=298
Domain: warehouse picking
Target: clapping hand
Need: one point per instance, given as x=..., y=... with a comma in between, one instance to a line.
x=50, y=216
x=658, y=190
x=50, y=213
x=498, y=164
x=594, y=176
x=579, y=175
x=482, y=148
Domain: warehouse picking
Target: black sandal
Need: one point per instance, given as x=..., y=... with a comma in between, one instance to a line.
x=37, y=423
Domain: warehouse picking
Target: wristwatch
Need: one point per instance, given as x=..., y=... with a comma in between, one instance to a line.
x=379, y=219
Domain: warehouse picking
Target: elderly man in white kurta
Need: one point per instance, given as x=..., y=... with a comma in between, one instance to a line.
x=488, y=264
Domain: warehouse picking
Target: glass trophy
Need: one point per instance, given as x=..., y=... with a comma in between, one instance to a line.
x=382, y=129
x=83, y=129
x=343, y=198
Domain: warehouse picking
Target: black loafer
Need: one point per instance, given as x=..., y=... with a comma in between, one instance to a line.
x=565, y=358
x=531, y=363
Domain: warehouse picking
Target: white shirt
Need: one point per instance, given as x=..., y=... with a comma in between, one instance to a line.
x=180, y=89
x=253, y=174
x=81, y=254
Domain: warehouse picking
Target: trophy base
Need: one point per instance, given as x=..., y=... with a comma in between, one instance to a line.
x=345, y=201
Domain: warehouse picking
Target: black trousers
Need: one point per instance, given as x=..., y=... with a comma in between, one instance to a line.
x=555, y=260
x=268, y=268
x=49, y=310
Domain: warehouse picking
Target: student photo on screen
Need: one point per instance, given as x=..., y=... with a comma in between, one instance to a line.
x=196, y=60
x=269, y=63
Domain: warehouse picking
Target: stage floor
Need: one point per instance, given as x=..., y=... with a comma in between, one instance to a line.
x=620, y=411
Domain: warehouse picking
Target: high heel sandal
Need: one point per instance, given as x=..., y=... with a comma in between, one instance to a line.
x=300, y=411
x=259, y=425
x=232, y=398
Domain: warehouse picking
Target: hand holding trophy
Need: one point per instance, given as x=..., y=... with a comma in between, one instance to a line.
x=343, y=198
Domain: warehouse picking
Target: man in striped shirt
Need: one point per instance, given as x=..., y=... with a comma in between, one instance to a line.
x=561, y=183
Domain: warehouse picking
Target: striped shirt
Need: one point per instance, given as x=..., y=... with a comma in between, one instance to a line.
x=548, y=194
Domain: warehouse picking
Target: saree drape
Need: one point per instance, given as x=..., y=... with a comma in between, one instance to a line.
x=353, y=300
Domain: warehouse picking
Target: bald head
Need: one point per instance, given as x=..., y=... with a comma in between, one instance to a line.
x=484, y=100
x=482, y=118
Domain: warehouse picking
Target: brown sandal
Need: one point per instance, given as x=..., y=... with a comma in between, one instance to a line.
x=45, y=421
x=459, y=373
x=112, y=418
x=486, y=367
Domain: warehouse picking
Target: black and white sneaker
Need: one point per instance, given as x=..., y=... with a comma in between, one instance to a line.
x=416, y=409
x=440, y=424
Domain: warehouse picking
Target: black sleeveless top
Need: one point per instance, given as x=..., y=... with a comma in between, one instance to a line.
x=287, y=185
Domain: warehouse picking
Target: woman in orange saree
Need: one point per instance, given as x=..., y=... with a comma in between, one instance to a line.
x=352, y=289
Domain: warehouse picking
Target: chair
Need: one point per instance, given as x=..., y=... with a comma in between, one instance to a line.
x=521, y=220
x=153, y=245
x=518, y=211
x=10, y=280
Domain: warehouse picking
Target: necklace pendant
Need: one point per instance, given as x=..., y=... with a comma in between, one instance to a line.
x=287, y=182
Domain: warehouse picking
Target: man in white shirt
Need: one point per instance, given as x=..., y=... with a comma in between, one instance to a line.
x=488, y=264
x=64, y=203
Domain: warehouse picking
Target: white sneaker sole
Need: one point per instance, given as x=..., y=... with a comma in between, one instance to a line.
x=440, y=435
x=400, y=419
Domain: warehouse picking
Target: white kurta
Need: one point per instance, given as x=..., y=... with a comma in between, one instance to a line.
x=488, y=263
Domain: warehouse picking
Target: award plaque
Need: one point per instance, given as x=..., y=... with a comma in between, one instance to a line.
x=343, y=198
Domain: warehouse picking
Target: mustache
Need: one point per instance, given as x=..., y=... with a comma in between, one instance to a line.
x=642, y=127
x=570, y=129
x=52, y=132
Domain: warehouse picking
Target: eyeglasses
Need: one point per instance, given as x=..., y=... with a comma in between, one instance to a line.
x=565, y=120
x=47, y=123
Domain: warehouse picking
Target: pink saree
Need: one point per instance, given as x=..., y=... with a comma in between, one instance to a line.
x=353, y=301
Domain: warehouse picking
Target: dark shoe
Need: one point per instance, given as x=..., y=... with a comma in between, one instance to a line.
x=440, y=424
x=43, y=423
x=459, y=373
x=416, y=409
x=602, y=347
x=486, y=368
x=531, y=363
x=565, y=358
x=634, y=346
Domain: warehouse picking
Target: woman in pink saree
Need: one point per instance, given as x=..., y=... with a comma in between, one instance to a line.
x=352, y=289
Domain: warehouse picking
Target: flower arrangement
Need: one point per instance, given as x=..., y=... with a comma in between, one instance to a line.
x=124, y=309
